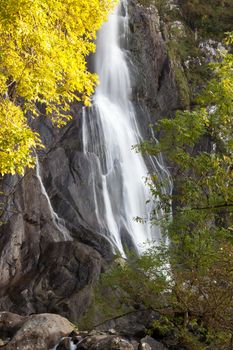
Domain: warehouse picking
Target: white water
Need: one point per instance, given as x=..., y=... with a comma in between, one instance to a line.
x=110, y=130
x=58, y=222
x=72, y=346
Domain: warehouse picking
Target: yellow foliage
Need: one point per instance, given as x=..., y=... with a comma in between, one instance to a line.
x=44, y=45
x=16, y=139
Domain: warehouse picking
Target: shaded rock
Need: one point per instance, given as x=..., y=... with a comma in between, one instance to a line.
x=155, y=91
x=144, y=346
x=2, y=342
x=61, y=282
x=36, y=332
x=134, y=343
x=9, y=324
x=150, y=343
x=64, y=344
x=104, y=342
x=133, y=324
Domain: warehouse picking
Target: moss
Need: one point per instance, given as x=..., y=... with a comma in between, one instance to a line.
x=105, y=305
x=186, y=25
x=179, y=75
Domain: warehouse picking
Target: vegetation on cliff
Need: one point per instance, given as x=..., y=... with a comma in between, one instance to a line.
x=44, y=46
x=210, y=19
x=194, y=31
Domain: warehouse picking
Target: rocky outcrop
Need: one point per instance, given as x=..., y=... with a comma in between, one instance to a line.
x=34, y=332
x=60, y=282
x=155, y=89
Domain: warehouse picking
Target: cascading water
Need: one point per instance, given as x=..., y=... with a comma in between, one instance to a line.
x=58, y=222
x=109, y=130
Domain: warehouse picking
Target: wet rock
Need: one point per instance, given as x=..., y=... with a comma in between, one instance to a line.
x=144, y=346
x=64, y=344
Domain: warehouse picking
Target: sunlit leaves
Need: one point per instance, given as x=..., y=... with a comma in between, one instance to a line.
x=16, y=139
x=44, y=45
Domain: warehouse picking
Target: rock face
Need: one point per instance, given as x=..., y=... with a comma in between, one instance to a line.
x=34, y=332
x=49, y=255
x=154, y=86
x=60, y=282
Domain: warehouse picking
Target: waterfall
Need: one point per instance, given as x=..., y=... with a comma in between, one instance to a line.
x=58, y=222
x=109, y=130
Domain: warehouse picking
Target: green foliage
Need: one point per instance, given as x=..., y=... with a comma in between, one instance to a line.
x=211, y=18
x=44, y=45
x=189, y=283
x=204, y=177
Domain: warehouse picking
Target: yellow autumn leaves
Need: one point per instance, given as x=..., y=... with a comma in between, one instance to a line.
x=16, y=139
x=43, y=50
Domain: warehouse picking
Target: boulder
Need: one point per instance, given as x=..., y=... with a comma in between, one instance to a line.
x=105, y=342
x=35, y=332
x=9, y=324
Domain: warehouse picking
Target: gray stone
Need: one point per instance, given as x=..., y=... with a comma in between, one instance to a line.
x=144, y=346
x=105, y=342
x=35, y=332
x=64, y=344
x=152, y=343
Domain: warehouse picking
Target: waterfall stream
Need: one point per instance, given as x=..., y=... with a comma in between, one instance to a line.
x=110, y=129
x=64, y=234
